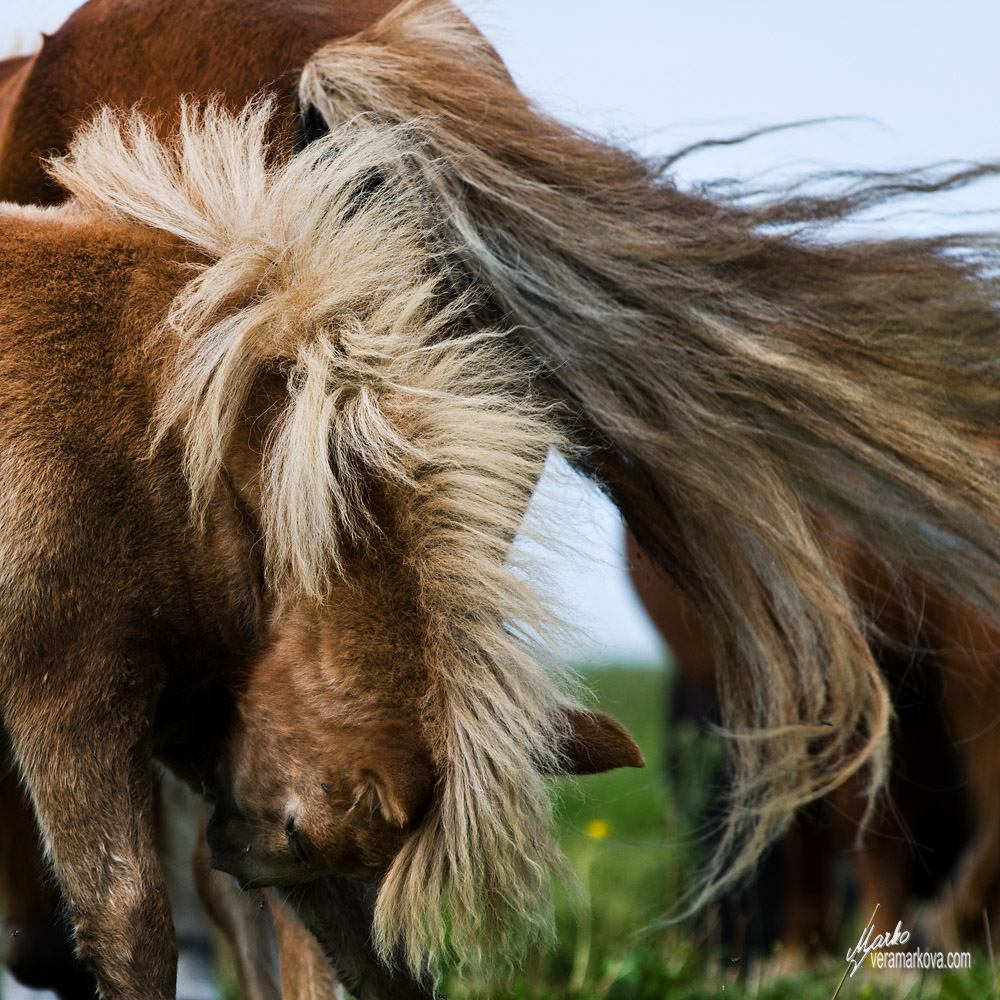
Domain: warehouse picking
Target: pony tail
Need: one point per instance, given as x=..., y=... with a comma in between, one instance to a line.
x=730, y=371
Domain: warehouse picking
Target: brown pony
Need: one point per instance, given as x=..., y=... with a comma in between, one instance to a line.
x=371, y=552
x=43, y=98
x=717, y=367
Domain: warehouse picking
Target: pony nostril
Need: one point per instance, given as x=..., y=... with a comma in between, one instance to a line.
x=295, y=843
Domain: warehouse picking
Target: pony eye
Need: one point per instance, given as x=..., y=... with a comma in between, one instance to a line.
x=295, y=843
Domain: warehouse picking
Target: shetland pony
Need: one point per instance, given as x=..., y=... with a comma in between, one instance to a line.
x=43, y=98
x=236, y=408
x=717, y=366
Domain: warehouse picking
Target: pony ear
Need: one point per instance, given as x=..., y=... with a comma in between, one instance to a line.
x=594, y=742
x=397, y=782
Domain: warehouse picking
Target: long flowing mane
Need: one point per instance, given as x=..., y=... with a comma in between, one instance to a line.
x=731, y=370
x=325, y=276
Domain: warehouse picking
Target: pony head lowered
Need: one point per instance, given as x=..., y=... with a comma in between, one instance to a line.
x=395, y=720
x=731, y=369
x=327, y=769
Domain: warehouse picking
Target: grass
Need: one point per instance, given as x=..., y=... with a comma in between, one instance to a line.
x=634, y=839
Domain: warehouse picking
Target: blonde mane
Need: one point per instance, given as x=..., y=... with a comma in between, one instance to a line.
x=731, y=370
x=328, y=275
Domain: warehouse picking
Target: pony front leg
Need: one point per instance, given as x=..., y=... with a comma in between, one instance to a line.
x=246, y=923
x=338, y=912
x=37, y=942
x=90, y=776
x=306, y=973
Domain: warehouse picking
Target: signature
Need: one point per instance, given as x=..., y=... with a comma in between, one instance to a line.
x=866, y=944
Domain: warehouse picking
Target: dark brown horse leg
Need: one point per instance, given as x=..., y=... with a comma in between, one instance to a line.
x=37, y=938
x=881, y=863
x=807, y=890
x=971, y=687
x=86, y=760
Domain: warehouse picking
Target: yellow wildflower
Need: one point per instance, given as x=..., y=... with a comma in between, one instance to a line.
x=599, y=829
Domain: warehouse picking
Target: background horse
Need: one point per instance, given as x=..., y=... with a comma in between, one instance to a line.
x=174, y=49
x=729, y=371
x=914, y=842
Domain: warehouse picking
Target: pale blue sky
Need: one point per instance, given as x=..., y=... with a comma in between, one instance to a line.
x=924, y=76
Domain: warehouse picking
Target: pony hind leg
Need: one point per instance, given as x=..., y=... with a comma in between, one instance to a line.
x=306, y=974
x=339, y=912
